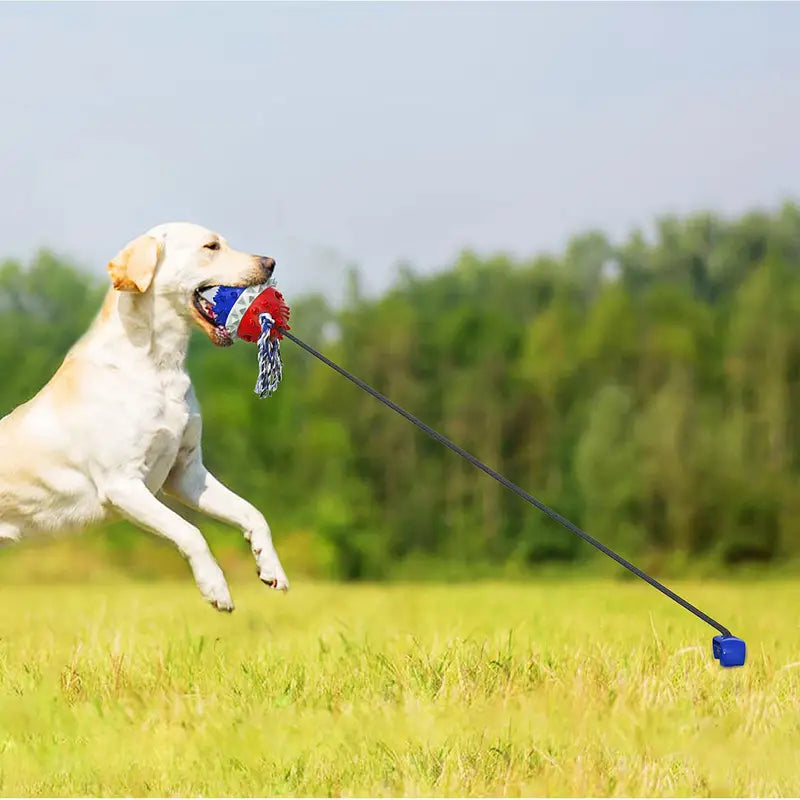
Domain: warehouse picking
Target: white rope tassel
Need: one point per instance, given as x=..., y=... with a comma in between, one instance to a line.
x=270, y=366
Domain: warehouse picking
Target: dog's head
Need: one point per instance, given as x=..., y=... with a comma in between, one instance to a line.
x=179, y=260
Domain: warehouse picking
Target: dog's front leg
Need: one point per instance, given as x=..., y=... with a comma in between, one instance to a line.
x=134, y=501
x=192, y=484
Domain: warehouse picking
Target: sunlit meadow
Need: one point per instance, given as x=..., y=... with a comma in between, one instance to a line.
x=538, y=688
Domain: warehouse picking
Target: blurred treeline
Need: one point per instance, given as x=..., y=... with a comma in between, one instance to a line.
x=649, y=390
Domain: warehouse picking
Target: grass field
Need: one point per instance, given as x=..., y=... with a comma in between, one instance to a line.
x=549, y=688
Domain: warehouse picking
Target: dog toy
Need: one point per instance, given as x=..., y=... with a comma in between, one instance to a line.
x=254, y=314
x=259, y=313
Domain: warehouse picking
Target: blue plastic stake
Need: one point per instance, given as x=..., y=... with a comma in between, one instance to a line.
x=729, y=650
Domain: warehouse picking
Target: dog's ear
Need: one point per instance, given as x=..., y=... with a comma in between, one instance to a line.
x=132, y=269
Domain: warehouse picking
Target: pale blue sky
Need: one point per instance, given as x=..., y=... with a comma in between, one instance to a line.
x=372, y=133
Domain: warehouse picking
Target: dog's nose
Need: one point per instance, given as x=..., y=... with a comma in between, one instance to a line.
x=267, y=264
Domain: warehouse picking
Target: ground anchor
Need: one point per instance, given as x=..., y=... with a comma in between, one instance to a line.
x=730, y=651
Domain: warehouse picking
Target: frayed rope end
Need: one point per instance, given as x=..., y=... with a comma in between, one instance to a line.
x=270, y=366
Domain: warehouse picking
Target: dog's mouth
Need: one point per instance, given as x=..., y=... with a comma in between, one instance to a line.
x=203, y=307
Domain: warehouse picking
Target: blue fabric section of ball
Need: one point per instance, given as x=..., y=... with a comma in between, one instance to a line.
x=224, y=300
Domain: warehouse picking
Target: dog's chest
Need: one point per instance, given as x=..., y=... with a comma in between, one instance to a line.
x=167, y=428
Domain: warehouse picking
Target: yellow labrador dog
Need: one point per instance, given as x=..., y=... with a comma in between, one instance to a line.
x=119, y=422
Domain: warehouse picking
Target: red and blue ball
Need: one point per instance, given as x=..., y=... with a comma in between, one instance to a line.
x=238, y=309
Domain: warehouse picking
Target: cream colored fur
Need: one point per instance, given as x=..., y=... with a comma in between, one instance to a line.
x=119, y=422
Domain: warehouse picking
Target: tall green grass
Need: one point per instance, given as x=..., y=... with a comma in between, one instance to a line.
x=547, y=688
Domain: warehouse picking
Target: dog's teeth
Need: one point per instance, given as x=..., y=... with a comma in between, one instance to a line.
x=210, y=294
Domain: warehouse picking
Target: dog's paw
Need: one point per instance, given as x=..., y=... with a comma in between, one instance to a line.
x=224, y=605
x=271, y=573
x=216, y=591
x=279, y=583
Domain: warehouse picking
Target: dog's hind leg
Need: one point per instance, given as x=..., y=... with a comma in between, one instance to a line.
x=134, y=501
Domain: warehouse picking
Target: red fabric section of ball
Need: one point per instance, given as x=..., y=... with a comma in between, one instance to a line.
x=271, y=302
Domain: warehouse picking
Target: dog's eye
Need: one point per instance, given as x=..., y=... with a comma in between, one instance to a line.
x=211, y=246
